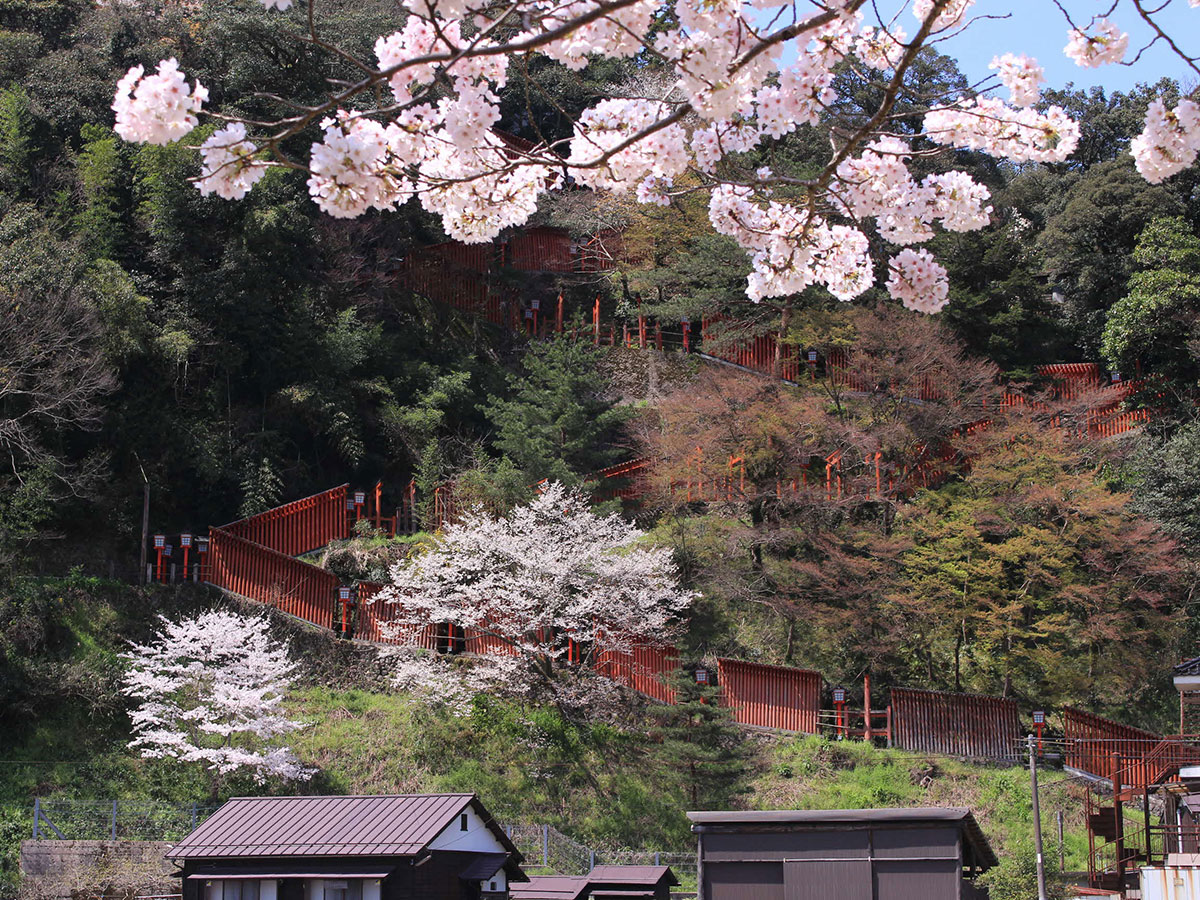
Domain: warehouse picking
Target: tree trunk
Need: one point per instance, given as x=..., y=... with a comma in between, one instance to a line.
x=785, y=321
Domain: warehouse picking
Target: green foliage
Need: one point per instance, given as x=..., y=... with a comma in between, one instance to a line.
x=16, y=142
x=557, y=423
x=1168, y=488
x=99, y=172
x=1088, y=242
x=702, y=749
x=1155, y=324
x=261, y=486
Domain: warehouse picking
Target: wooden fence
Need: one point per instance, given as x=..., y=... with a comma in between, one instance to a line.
x=272, y=578
x=300, y=526
x=771, y=696
x=1093, y=743
x=641, y=664
x=956, y=724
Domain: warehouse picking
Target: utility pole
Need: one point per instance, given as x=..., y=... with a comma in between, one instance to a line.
x=145, y=523
x=1037, y=819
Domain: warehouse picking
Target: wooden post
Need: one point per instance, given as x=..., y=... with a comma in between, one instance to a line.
x=596, y=321
x=1118, y=818
x=1037, y=822
x=867, y=707
x=146, y=537
x=558, y=322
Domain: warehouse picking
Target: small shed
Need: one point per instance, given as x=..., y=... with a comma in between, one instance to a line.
x=602, y=883
x=1186, y=676
x=398, y=847
x=860, y=854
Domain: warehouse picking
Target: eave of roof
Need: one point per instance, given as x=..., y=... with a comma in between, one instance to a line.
x=334, y=826
x=705, y=821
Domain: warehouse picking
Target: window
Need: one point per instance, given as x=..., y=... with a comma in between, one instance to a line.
x=462, y=822
x=231, y=889
x=350, y=889
x=240, y=890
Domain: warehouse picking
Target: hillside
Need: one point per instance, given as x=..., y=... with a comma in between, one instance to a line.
x=605, y=784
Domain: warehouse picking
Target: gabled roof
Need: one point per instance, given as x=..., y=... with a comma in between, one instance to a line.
x=814, y=819
x=550, y=887
x=1187, y=667
x=388, y=825
x=639, y=876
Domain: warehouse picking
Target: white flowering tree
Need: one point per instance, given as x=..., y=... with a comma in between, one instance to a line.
x=541, y=590
x=420, y=121
x=210, y=689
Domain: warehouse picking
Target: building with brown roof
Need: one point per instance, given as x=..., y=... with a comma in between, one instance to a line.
x=841, y=854
x=602, y=883
x=400, y=847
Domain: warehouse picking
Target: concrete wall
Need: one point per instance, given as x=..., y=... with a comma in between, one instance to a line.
x=55, y=868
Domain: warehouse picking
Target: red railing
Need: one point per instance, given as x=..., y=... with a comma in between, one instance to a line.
x=1093, y=744
x=387, y=623
x=956, y=724
x=300, y=526
x=272, y=578
x=641, y=664
x=771, y=696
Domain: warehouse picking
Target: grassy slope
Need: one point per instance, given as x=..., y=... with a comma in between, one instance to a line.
x=605, y=786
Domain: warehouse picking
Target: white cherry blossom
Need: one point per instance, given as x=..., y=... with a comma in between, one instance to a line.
x=230, y=166
x=158, y=108
x=1107, y=45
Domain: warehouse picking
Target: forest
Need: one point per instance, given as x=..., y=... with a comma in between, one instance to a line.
x=232, y=356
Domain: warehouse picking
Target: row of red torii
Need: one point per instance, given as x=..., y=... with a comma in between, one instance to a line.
x=256, y=558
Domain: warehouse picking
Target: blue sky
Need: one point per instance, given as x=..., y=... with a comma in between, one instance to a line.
x=1036, y=28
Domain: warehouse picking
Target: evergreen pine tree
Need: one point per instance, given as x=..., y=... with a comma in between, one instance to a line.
x=701, y=745
x=557, y=423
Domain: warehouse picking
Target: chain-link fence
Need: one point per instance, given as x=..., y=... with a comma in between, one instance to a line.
x=545, y=848
x=115, y=821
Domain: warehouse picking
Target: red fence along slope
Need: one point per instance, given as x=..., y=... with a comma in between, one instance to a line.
x=643, y=665
x=1092, y=741
x=771, y=696
x=955, y=724
x=300, y=526
x=272, y=578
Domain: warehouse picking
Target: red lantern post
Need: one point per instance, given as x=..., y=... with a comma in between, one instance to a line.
x=839, y=703
x=185, y=541
x=1039, y=722
x=160, y=542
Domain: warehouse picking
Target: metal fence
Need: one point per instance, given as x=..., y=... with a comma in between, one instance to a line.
x=544, y=846
x=115, y=821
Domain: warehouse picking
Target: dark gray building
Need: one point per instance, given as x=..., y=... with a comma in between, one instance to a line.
x=399, y=847
x=860, y=854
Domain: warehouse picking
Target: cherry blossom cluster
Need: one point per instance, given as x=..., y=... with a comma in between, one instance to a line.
x=355, y=169
x=158, y=108
x=990, y=125
x=1169, y=141
x=210, y=689
x=953, y=14
x=1107, y=45
x=547, y=571
x=878, y=184
x=1022, y=76
x=790, y=248
x=730, y=92
x=230, y=166
x=917, y=280
x=599, y=158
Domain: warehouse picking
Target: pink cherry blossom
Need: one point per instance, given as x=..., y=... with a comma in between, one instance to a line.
x=1169, y=141
x=1022, y=76
x=230, y=168
x=918, y=281
x=156, y=109
x=1107, y=45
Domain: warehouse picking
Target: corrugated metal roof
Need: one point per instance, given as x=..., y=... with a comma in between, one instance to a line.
x=648, y=875
x=395, y=825
x=550, y=887
x=817, y=817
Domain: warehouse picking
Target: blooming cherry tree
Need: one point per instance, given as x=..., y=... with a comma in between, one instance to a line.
x=547, y=586
x=210, y=689
x=741, y=75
